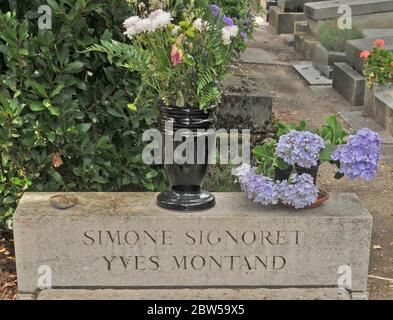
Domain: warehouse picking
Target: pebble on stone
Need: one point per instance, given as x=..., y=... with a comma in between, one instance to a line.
x=63, y=202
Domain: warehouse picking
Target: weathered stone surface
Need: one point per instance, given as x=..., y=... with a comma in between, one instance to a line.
x=359, y=119
x=26, y=296
x=324, y=59
x=260, y=56
x=324, y=56
x=289, y=39
x=245, y=105
x=198, y=294
x=294, y=5
x=123, y=240
x=301, y=27
x=349, y=83
x=284, y=22
x=325, y=92
x=329, y=9
x=305, y=45
x=377, y=33
x=355, y=47
x=63, y=202
x=381, y=107
x=312, y=75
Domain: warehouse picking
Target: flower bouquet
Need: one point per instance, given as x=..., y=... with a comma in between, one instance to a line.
x=286, y=167
x=181, y=63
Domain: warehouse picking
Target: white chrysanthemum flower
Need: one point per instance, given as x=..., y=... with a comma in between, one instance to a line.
x=159, y=19
x=131, y=22
x=229, y=32
x=200, y=25
x=144, y=25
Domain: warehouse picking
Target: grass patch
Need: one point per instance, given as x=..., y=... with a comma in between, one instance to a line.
x=334, y=39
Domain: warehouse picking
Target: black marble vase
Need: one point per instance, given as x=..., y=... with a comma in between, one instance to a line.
x=186, y=178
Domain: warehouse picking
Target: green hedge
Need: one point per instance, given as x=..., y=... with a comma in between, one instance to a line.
x=64, y=121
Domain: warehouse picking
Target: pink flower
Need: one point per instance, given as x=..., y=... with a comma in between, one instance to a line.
x=365, y=54
x=391, y=63
x=176, y=55
x=379, y=43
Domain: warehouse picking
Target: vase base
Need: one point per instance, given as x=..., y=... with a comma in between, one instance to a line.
x=183, y=201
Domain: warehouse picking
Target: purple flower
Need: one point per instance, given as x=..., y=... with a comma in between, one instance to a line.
x=359, y=157
x=244, y=35
x=215, y=9
x=301, y=148
x=300, y=192
x=228, y=21
x=259, y=188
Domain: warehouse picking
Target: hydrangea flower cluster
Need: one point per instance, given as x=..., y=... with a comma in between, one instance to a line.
x=259, y=188
x=360, y=155
x=157, y=19
x=301, y=148
x=300, y=192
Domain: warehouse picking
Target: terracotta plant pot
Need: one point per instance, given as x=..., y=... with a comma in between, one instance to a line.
x=323, y=196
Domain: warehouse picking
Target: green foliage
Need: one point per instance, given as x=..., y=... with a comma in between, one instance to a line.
x=331, y=132
x=379, y=67
x=283, y=128
x=64, y=120
x=333, y=38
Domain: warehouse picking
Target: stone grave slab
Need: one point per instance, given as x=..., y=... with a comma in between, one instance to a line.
x=377, y=33
x=124, y=241
x=259, y=56
x=198, y=294
x=324, y=59
x=349, y=83
x=329, y=9
x=294, y=5
x=312, y=75
x=382, y=108
x=245, y=105
x=305, y=45
x=387, y=154
x=355, y=47
x=283, y=22
x=358, y=120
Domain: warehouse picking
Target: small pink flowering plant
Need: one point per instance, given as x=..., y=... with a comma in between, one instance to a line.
x=378, y=64
x=181, y=61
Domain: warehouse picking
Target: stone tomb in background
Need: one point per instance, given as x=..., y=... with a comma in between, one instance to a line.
x=114, y=241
